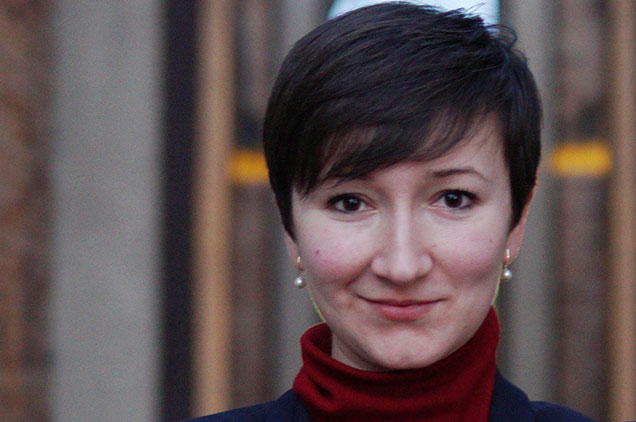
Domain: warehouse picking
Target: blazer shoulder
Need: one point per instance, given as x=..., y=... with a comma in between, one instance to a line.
x=249, y=414
x=509, y=403
x=548, y=412
x=286, y=408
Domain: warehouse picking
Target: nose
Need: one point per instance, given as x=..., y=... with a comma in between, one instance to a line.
x=403, y=255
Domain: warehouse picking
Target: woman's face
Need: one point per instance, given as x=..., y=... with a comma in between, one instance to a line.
x=404, y=263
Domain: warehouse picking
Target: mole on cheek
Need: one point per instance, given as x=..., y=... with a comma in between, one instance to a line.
x=317, y=252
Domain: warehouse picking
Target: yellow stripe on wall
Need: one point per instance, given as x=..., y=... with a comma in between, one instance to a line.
x=248, y=167
x=591, y=158
x=569, y=159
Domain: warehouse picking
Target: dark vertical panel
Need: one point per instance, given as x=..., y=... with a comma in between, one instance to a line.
x=582, y=294
x=251, y=330
x=251, y=280
x=179, y=120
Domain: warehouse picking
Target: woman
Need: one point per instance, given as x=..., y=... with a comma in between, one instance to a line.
x=402, y=144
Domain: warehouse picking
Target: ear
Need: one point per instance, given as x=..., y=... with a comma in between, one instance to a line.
x=292, y=248
x=515, y=237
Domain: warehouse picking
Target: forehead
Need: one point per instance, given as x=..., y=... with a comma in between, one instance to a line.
x=478, y=158
x=365, y=153
x=483, y=142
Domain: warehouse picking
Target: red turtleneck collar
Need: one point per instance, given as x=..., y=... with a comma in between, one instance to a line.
x=457, y=388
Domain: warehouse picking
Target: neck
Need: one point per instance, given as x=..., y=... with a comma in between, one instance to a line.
x=456, y=388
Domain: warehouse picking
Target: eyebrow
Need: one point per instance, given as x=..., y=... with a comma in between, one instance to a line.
x=337, y=181
x=443, y=173
x=437, y=174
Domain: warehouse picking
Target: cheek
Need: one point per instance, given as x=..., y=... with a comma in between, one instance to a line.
x=475, y=257
x=331, y=256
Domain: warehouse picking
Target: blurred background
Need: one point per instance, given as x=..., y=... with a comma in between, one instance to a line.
x=142, y=270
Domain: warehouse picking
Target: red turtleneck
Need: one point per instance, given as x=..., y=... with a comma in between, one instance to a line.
x=457, y=388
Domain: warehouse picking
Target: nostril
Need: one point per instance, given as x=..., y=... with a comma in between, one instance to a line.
x=402, y=268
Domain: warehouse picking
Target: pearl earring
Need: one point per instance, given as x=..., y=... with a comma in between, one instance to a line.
x=299, y=281
x=506, y=274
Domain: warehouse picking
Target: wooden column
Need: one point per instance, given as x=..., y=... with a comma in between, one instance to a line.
x=622, y=306
x=24, y=210
x=528, y=343
x=581, y=164
x=215, y=133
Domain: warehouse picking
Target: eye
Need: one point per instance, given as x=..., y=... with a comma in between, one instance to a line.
x=457, y=199
x=348, y=203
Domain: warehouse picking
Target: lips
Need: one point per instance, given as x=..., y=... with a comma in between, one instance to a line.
x=402, y=310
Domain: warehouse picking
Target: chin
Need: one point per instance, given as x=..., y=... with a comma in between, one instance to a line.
x=397, y=361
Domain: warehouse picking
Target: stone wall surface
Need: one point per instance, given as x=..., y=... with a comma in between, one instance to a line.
x=106, y=107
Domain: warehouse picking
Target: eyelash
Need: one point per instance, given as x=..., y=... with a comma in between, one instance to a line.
x=332, y=203
x=464, y=195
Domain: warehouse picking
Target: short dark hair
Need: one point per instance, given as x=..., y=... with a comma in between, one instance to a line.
x=392, y=82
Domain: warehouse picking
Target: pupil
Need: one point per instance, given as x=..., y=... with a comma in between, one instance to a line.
x=453, y=200
x=351, y=204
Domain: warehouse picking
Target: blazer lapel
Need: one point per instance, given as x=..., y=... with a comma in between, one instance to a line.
x=509, y=403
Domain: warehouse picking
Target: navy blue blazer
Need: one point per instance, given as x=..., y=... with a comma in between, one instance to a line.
x=509, y=403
